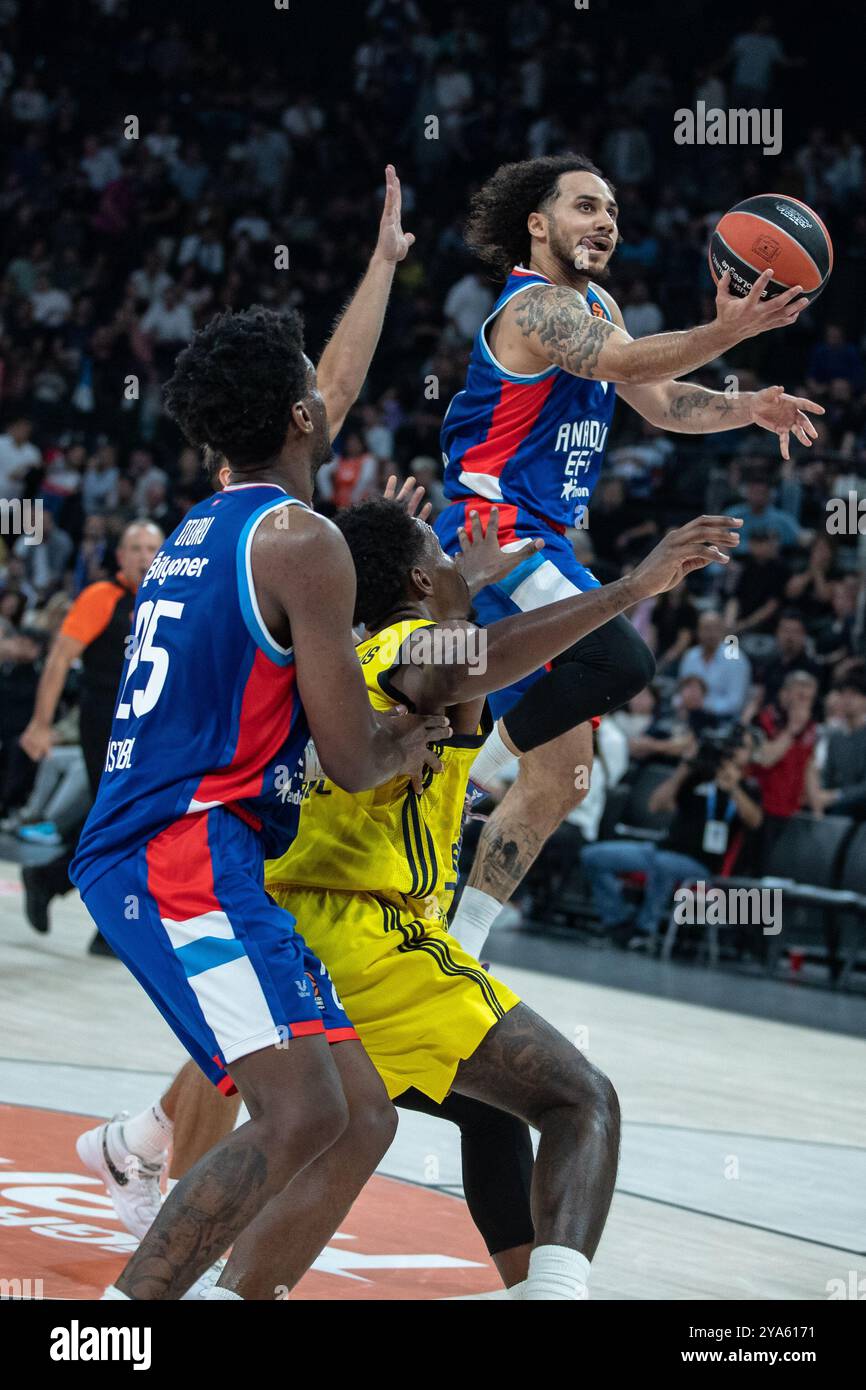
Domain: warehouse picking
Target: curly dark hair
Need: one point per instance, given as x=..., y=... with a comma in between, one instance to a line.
x=496, y=228
x=233, y=388
x=385, y=543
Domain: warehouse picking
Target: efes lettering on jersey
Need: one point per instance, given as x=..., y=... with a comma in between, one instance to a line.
x=580, y=445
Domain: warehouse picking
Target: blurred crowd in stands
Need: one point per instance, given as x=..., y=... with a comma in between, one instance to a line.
x=153, y=167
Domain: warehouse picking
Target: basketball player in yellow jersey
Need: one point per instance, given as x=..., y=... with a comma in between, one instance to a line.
x=373, y=874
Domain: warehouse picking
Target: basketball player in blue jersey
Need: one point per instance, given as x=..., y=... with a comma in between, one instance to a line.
x=528, y=434
x=242, y=648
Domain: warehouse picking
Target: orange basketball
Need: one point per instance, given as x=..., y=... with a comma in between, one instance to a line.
x=777, y=233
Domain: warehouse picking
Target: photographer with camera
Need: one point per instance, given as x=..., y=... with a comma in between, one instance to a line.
x=713, y=810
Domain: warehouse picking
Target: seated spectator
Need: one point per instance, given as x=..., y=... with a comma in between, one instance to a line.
x=835, y=642
x=673, y=626
x=169, y=324
x=616, y=522
x=759, y=585
x=792, y=654
x=99, y=486
x=45, y=564
x=555, y=865
x=641, y=464
x=350, y=476
x=713, y=808
x=784, y=765
x=674, y=732
x=843, y=776
x=834, y=359
x=17, y=457
x=638, y=714
x=725, y=670
x=811, y=590
x=21, y=651
x=758, y=511
x=95, y=554
x=467, y=305
x=60, y=798
x=642, y=317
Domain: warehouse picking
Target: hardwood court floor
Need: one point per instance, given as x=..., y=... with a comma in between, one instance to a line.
x=743, y=1172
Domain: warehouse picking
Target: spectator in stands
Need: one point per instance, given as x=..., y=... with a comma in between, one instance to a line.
x=712, y=808
x=17, y=457
x=843, y=776
x=21, y=651
x=811, y=590
x=791, y=654
x=639, y=713
x=754, y=56
x=46, y=563
x=835, y=639
x=758, y=512
x=169, y=324
x=673, y=627
x=95, y=631
x=834, y=360
x=784, y=764
x=99, y=486
x=759, y=585
x=725, y=670
x=554, y=869
x=350, y=477
x=60, y=797
x=467, y=305
x=642, y=316
x=616, y=522
x=675, y=729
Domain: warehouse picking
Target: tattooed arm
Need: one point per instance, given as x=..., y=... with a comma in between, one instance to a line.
x=555, y=325
x=684, y=408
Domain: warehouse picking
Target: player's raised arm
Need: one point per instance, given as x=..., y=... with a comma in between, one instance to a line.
x=346, y=359
x=557, y=326
x=305, y=584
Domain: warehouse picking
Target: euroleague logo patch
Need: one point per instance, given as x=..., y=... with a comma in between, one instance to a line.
x=793, y=215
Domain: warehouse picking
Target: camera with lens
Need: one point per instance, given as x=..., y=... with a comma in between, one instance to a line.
x=716, y=746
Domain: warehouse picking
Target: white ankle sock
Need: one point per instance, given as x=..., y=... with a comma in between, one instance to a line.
x=556, y=1272
x=475, y=915
x=112, y=1293
x=492, y=758
x=147, y=1135
x=217, y=1292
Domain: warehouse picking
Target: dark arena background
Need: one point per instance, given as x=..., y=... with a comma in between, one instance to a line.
x=163, y=162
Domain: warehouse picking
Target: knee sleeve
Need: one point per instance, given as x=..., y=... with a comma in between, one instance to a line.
x=597, y=675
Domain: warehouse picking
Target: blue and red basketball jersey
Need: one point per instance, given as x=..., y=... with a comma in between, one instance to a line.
x=208, y=713
x=535, y=442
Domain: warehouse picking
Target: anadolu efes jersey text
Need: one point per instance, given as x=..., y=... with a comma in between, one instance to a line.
x=535, y=442
x=208, y=713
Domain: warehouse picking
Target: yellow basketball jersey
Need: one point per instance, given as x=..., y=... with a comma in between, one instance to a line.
x=388, y=840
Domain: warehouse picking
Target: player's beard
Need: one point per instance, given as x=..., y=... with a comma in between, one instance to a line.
x=323, y=454
x=564, y=252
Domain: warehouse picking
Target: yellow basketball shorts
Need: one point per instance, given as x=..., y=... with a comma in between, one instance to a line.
x=420, y=1003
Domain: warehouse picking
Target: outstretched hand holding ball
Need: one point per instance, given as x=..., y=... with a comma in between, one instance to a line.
x=772, y=242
